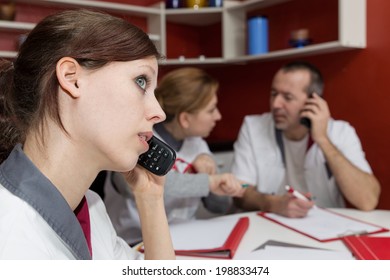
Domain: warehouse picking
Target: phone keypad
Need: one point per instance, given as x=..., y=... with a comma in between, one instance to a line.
x=159, y=159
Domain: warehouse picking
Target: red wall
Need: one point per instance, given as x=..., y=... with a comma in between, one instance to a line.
x=356, y=88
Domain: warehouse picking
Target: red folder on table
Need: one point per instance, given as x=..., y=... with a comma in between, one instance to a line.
x=325, y=225
x=200, y=238
x=368, y=248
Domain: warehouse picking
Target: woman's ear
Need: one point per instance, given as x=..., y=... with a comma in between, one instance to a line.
x=68, y=71
x=184, y=120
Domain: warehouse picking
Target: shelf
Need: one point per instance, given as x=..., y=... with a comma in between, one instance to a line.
x=107, y=6
x=25, y=26
x=195, y=17
x=314, y=49
x=251, y=4
x=193, y=61
x=15, y=26
x=8, y=54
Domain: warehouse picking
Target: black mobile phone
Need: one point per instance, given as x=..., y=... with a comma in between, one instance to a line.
x=159, y=159
x=306, y=121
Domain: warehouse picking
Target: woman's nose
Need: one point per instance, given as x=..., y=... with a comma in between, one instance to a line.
x=156, y=114
x=218, y=115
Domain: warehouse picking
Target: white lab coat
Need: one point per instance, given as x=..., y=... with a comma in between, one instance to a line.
x=258, y=159
x=24, y=234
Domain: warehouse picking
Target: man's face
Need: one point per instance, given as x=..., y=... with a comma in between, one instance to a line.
x=288, y=97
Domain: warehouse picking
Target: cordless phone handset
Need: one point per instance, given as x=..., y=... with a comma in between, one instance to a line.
x=306, y=121
x=159, y=159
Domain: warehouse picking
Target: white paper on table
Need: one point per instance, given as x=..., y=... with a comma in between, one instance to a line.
x=289, y=253
x=201, y=234
x=323, y=224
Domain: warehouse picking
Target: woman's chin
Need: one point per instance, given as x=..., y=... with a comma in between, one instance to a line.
x=132, y=165
x=126, y=166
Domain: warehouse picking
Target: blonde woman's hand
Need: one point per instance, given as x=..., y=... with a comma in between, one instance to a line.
x=225, y=184
x=205, y=163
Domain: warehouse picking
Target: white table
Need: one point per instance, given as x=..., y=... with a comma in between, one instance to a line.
x=262, y=230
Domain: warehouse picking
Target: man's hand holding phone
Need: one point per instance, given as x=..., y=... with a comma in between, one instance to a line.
x=316, y=109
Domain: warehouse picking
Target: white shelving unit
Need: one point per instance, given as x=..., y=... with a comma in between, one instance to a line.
x=233, y=18
x=154, y=15
x=127, y=9
x=352, y=31
x=199, y=17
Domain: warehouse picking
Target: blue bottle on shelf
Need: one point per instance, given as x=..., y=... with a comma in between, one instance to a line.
x=215, y=3
x=257, y=35
x=174, y=4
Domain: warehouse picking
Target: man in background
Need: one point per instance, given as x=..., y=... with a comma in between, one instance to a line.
x=318, y=156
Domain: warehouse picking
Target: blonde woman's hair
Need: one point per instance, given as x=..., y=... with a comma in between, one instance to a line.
x=186, y=89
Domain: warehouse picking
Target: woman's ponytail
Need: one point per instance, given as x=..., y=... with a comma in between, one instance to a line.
x=9, y=134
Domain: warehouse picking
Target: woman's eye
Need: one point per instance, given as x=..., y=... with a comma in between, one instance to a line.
x=212, y=110
x=141, y=82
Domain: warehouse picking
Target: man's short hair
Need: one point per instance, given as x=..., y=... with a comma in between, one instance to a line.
x=316, y=83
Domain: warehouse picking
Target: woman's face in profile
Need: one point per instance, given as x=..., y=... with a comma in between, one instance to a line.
x=117, y=110
x=203, y=122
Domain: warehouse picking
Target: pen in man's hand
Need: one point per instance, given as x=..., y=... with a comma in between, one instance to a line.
x=296, y=193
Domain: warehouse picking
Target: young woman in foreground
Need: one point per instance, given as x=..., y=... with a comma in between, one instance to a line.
x=78, y=99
